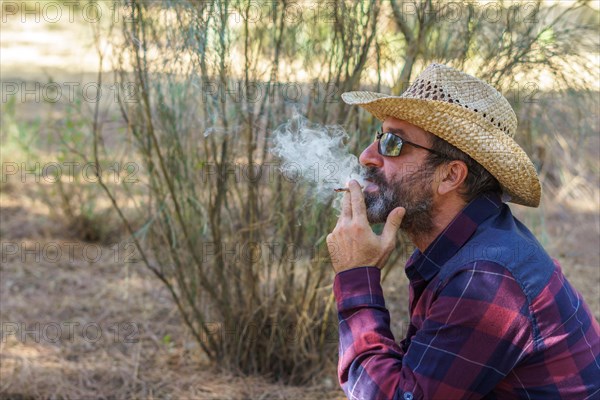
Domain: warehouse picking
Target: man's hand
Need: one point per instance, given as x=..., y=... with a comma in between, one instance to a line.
x=352, y=242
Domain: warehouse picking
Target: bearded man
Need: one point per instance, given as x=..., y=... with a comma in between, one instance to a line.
x=491, y=314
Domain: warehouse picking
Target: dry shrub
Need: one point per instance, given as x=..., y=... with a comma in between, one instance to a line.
x=198, y=133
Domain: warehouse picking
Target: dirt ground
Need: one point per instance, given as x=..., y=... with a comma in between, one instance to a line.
x=79, y=320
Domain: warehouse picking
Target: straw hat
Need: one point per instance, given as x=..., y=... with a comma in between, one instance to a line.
x=469, y=114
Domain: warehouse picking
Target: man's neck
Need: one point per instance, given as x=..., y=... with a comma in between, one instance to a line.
x=443, y=215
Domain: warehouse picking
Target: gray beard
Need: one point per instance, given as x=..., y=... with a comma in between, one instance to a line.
x=413, y=192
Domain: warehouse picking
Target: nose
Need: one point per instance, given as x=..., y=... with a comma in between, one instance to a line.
x=370, y=157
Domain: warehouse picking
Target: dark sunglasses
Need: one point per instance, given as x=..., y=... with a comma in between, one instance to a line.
x=390, y=145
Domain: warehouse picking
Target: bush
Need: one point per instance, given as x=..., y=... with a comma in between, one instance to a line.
x=198, y=97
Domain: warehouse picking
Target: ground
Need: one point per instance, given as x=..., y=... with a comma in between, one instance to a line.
x=89, y=327
x=80, y=321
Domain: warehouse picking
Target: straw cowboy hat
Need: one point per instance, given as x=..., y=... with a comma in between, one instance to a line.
x=469, y=114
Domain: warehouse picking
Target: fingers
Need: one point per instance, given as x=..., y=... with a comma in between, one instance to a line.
x=332, y=246
x=392, y=224
x=359, y=210
x=346, y=207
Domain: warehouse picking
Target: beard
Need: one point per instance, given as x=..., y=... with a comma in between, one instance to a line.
x=413, y=192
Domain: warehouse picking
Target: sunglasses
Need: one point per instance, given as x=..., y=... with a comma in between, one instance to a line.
x=390, y=145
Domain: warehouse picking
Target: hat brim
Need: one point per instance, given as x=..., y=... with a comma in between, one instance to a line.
x=497, y=152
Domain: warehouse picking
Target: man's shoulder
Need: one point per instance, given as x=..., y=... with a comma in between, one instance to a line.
x=479, y=273
x=505, y=246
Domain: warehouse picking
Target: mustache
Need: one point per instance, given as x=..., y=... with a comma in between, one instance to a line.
x=374, y=175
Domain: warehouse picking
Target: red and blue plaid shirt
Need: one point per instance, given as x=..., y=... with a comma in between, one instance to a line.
x=481, y=325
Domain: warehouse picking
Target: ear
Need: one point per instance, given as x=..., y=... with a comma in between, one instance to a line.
x=451, y=176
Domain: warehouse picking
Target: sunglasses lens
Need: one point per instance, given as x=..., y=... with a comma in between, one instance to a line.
x=390, y=145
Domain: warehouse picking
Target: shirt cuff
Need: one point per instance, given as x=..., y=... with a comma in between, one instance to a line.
x=358, y=287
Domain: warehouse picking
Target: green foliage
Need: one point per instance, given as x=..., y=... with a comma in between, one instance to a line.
x=18, y=139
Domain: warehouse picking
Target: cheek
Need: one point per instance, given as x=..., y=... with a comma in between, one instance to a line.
x=411, y=167
x=393, y=178
x=395, y=173
x=388, y=175
x=391, y=171
x=395, y=168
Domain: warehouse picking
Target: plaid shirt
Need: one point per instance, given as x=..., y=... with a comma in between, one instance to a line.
x=481, y=326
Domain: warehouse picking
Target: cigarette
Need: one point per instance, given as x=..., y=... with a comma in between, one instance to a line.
x=344, y=189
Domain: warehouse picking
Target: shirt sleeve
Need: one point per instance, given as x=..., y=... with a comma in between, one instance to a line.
x=474, y=332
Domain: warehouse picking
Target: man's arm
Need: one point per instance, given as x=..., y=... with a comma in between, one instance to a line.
x=474, y=333
x=368, y=353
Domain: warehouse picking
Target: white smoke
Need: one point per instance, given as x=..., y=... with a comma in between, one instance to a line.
x=317, y=155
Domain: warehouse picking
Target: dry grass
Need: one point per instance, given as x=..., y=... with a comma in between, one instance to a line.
x=162, y=360
x=165, y=360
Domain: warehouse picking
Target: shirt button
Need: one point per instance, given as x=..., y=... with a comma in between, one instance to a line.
x=408, y=396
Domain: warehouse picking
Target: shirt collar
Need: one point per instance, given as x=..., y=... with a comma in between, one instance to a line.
x=427, y=264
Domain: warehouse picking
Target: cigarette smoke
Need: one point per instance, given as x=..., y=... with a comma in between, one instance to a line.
x=317, y=155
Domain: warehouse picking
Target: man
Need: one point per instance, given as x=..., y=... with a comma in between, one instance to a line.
x=491, y=314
